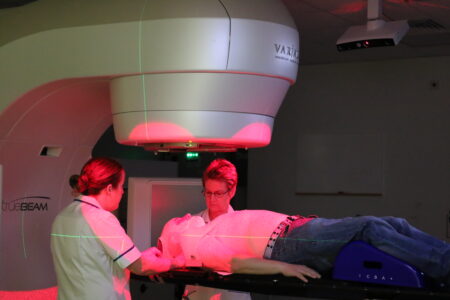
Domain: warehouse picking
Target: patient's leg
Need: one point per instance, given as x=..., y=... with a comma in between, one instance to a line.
x=318, y=242
x=402, y=226
x=403, y=241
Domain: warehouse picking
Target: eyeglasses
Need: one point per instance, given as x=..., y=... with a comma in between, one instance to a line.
x=217, y=194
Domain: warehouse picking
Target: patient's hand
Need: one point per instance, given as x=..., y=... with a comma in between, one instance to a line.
x=254, y=265
x=299, y=271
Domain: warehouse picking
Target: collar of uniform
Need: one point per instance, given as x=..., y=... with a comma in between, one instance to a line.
x=88, y=200
x=205, y=214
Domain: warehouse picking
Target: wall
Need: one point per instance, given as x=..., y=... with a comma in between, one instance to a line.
x=405, y=102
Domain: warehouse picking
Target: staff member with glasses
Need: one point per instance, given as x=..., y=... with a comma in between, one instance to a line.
x=219, y=187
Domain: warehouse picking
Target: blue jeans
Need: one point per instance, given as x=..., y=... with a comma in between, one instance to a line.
x=317, y=243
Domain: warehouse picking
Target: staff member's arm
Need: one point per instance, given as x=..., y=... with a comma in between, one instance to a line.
x=151, y=262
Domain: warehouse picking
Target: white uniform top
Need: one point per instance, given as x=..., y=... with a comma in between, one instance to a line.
x=197, y=292
x=91, y=252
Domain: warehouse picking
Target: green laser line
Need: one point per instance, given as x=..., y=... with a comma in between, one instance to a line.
x=23, y=237
x=85, y=236
x=144, y=90
x=261, y=237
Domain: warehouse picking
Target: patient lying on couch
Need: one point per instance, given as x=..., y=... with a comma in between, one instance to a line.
x=267, y=242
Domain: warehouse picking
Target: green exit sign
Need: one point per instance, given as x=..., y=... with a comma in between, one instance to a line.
x=191, y=155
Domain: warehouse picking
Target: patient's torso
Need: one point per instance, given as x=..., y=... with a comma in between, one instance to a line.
x=243, y=232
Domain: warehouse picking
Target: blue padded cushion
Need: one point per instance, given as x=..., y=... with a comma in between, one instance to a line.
x=359, y=261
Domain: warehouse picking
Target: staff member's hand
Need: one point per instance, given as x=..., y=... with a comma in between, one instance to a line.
x=155, y=260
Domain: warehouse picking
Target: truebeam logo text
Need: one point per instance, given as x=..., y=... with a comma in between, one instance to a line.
x=31, y=203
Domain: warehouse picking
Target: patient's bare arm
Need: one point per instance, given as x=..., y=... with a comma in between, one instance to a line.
x=253, y=265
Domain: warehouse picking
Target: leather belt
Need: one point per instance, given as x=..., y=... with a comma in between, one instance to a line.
x=281, y=228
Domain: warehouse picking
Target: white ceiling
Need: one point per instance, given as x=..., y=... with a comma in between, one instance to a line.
x=322, y=22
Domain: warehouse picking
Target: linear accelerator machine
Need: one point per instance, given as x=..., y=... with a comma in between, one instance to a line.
x=203, y=75
x=168, y=74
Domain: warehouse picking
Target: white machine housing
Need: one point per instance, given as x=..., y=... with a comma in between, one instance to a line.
x=210, y=81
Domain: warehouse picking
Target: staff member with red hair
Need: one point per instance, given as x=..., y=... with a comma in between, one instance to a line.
x=92, y=254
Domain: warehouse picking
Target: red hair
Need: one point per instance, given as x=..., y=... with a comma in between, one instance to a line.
x=97, y=174
x=221, y=169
